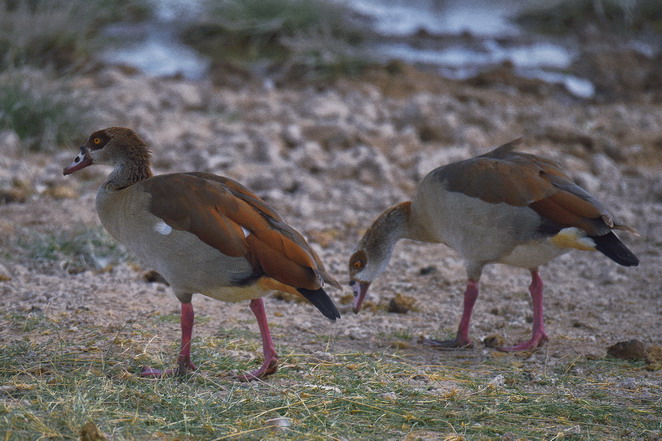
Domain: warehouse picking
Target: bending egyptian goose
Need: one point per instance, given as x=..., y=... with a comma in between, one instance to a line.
x=501, y=207
x=205, y=234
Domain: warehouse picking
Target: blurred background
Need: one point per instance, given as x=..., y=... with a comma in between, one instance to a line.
x=594, y=49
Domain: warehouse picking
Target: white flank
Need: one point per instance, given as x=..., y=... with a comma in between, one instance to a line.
x=163, y=228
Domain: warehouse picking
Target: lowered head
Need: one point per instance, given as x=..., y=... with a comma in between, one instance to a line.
x=374, y=250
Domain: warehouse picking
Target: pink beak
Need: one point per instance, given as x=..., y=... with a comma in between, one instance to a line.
x=360, y=290
x=82, y=160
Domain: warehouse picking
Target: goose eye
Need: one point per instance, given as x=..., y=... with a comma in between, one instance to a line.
x=358, y=264
x=96, y=141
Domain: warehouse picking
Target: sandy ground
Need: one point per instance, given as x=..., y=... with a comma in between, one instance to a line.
x=330, y=159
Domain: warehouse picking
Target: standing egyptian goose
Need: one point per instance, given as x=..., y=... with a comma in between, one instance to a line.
x=205, y=234
x=500, y=207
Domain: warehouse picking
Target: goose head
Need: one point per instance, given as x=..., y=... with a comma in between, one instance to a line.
x=112, y=146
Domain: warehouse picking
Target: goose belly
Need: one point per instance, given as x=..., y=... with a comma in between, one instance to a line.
x=479, y=231
x=533, y=254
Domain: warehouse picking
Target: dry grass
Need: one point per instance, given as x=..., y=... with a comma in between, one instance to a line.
x=56, y=377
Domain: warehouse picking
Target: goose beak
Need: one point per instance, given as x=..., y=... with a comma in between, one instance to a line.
x=360, y=290
x=82, y=160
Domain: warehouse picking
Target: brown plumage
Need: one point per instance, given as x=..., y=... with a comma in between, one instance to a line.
x=205, y=234
x=500, y=207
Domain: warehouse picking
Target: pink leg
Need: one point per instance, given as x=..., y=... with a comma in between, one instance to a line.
x=270, y=364
x=184, y=363
x=538, y=336
x=462, y=339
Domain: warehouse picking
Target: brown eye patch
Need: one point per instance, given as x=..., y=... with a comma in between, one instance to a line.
x=97, y=140
x=357, y=261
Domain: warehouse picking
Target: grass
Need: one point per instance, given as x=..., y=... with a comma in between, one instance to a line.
x=44, y=114
x=57, y=33
x=613, y=15
x=54, y=381
x=317, y=35
x=73, y=250
x=53, y=35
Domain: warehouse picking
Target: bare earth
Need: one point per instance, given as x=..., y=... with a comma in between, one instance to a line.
x=330, y=159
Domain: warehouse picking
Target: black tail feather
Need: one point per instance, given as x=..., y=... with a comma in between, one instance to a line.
x=611, y=246
x=322, y=301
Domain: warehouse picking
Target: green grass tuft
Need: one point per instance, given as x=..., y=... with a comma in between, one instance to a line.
x=612, y=15
x=76, y=251
x=58, y=33
x=319, y=36
x=43, y=114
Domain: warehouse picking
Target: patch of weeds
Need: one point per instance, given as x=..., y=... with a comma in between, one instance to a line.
x=52, y=388
x=319, y=35
x=571, y=15
x=57, y=33
x=43, y=113
x=403, y=334
x=74, y=251
x=26, y=322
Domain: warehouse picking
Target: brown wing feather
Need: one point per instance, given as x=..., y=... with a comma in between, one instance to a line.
x=241, y=192
x=276, y=220
x=270, y=257
x=522, y=179
x=190, y=204
x=506, y=177
x=203, y=204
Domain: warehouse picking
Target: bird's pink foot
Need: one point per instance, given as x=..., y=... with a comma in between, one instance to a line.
x=536, y=341
x=456, y=343
x=269, y=367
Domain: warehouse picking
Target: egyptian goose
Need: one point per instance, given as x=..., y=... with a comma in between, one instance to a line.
x=205, y=234
x=501, y=207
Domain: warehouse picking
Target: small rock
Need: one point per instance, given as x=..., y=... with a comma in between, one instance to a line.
x=399, y=344
x=90, y=432
x=10, y=142
x=628, y=350
x=605, y=167
x=494, y=341
x=498, y=381
x=346, y=299
x=61, y=192
x=427, y=270
x=292, y=135
x=401, y=304
x=19, y=192
x=280, y=424
x=654, y=358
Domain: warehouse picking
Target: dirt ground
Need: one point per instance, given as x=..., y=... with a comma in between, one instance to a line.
x=330, y=159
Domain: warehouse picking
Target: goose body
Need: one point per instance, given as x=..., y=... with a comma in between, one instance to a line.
x=501, y=207
x=204, y=234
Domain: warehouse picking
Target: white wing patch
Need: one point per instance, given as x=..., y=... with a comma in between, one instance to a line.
x=163, y=228
x=245, y=231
